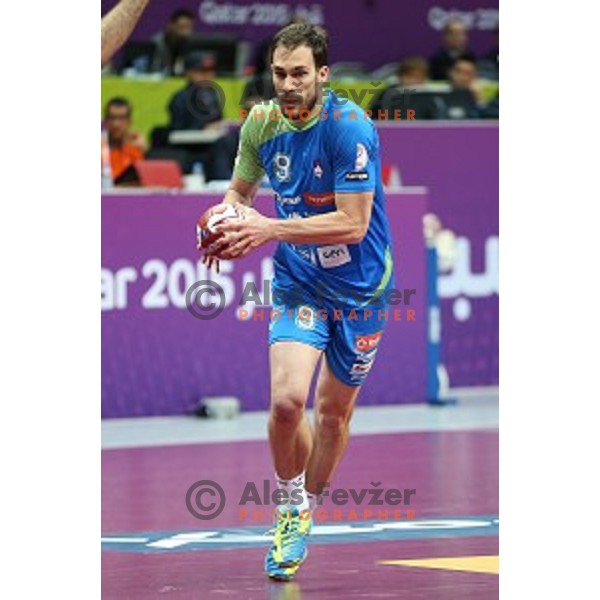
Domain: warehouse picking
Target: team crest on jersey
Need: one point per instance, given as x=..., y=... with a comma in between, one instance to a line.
x=282, y=165
x=362, y=157
x=318, y=169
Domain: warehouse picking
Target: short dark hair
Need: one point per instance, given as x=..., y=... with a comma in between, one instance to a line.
x=119, y=102
x=413, y=63
x=464, y=58
x=303, y=34
x=181, y=12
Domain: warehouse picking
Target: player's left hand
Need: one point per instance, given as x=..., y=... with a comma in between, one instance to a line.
x=241, y=237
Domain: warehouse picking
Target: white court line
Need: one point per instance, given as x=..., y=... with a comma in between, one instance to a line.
x=123, y=540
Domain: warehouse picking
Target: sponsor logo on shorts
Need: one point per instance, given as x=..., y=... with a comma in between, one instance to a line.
x=305, y=319
x=319, y=199
x=334, y=256
x=361, y=368
x=357, y=176
x=366, y=343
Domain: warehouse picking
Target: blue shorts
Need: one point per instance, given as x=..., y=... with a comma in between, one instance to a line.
x=349, y=337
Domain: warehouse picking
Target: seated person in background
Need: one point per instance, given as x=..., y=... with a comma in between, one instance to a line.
x=126, y=147
x=171, y=44
x=409, y=93
x=465, y=101
x=413, y=71
x=492, y=110
x=455, y=42
x=198, y=106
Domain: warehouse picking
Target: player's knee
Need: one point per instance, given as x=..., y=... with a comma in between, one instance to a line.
x=288, y=408
x=332, y=421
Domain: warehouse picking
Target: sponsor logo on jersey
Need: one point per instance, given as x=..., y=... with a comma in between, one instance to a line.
x=366, y=343
x=319, y=199
x=357, y=176
x=362, y=157
x=287, y=201
x=333, y=256
x=318, y=169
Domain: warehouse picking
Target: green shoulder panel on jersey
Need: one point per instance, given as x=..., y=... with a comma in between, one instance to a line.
x=263, y=123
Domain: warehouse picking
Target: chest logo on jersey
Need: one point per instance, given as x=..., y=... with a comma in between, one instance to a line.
x=333, y=256
x=282, y=166
x=319, y=199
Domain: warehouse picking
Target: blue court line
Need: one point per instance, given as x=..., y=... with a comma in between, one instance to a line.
x=333, y=533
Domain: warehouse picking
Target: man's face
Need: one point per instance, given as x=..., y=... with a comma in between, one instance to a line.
x=455, y=37
x=182, y=28
x=118, y=121
x=296, y=80
x=414, y=77
x=197, y=76
x=463, y=74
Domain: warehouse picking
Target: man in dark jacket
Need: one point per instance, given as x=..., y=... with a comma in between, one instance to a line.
x=199, y=106
x=454, y=45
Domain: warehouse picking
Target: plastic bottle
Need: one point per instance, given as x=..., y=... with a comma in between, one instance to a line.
x=106, y=178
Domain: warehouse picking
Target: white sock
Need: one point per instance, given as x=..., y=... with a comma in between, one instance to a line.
x=314, y=501
x=295, y=492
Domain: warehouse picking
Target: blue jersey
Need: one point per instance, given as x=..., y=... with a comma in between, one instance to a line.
x=336, y=151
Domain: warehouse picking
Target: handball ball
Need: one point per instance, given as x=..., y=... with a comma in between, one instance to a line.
x=205, y=228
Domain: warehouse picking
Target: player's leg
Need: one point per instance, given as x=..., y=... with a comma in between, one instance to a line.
x=296, y=345
x=334, y=403
x=348, y=359
x=292, y=368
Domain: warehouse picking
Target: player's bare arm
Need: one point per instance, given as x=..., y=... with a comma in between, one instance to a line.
x=118, y=24
x=241, y=192
x=348, y=224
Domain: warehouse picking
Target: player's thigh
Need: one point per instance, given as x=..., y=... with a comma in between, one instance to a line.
x=292, y=365
x=334, y=399
x=296, y=339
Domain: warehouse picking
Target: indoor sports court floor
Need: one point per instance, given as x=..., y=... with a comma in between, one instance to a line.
x=153, y=547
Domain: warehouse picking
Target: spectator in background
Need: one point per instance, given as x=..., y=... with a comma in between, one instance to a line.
x=467, y=100
x=126, y=146
x=198, y=106
x=455, y=43
x=413, y=71
x=410, y=93
x=171, y=44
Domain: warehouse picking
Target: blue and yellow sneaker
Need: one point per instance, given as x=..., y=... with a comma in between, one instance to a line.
x=289, y=550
